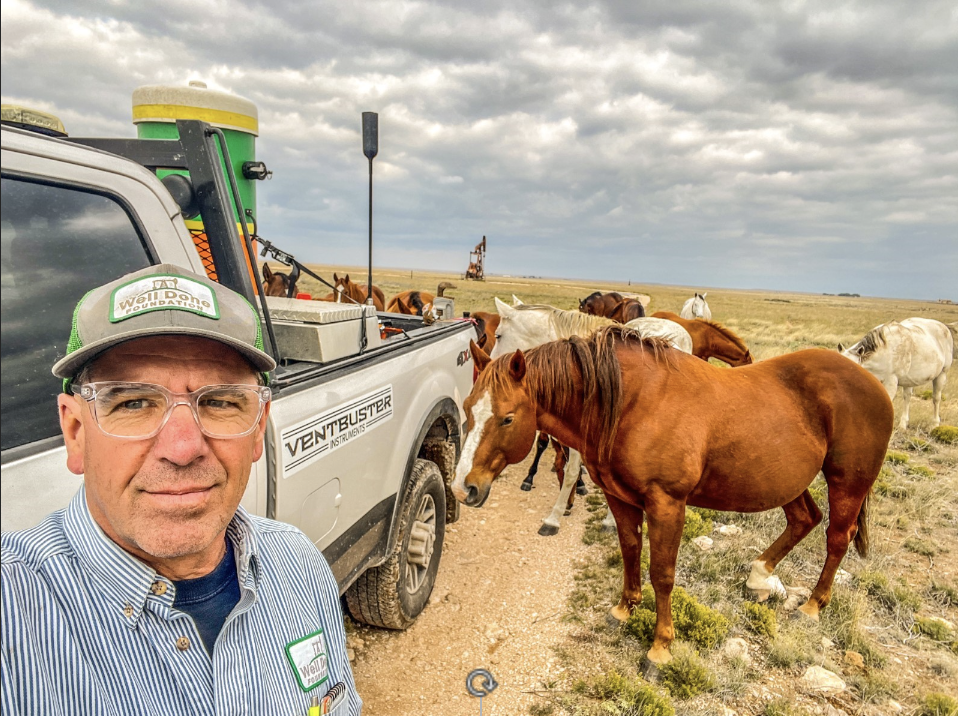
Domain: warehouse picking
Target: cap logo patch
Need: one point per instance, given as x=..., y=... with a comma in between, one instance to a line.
x=162, y=293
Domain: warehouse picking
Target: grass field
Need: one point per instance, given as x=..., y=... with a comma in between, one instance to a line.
x=882, y=633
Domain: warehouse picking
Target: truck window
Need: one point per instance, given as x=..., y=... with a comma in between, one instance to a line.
x=57, y=243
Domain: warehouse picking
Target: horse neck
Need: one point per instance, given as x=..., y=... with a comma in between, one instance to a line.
x=573, y=323
x=722, y=346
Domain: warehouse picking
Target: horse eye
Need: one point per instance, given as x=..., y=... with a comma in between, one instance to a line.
x=507, y=420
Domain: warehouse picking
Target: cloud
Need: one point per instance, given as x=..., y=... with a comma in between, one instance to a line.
x=792, y=146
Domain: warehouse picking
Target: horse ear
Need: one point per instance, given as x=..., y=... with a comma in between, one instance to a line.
x=267, y=274
x=705, y=294
x=841, y=347
x=503, y=308
x=516, y=301
x=517, y=366
x=346, y=278
x=481, y=358
x=335, y=277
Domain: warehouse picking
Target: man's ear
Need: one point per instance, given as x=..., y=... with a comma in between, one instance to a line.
x=71, y=425
x=260, y=433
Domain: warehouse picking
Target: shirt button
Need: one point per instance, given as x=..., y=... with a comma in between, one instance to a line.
x=158, y=588
x=128, y=611
x=183, y=643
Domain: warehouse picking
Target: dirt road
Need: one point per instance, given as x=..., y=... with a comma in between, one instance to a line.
x=498, y=604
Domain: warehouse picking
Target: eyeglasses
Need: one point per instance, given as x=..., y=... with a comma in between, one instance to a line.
x=140, y=410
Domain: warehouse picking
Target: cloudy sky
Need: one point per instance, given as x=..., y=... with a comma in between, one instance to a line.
x=807, y=146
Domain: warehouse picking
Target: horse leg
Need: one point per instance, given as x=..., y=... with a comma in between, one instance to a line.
x=628, y=519
x=580, y=486
x=550, y=525
x=666, y=519
x=562, y=463
x=801, y=517
x=541, y=444
x=891, y=387
x=937, y=386
x=906, y=395
x=847, y=510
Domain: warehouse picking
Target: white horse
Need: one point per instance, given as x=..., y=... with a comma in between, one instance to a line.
x=696, y=307
x=908, y=353
x=526, y=326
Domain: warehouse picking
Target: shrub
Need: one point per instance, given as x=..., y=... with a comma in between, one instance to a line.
x=695, y=526
x=693, y=621
x=947, y=434
x=896, y=458
x=917, y=444
x=781, y=707
x=630, y=696
x=938, y=704
x=686, y=675
x=934, y=629
x=761, y=620
x=892, y=597
x=920, y=546
x=944, y=593
x=920, y=471
x=541, y=710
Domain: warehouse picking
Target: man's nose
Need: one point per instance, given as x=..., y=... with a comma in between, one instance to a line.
x=181, y=441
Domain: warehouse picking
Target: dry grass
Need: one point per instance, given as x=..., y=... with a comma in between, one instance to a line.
x=881, y=610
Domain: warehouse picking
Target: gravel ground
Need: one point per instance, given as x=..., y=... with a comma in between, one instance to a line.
x=498, y=604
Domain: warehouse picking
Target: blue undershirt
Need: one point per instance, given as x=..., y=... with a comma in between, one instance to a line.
x=211, y=598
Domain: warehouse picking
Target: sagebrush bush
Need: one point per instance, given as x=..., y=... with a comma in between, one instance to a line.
x=760, y=619
x=947, y=434
x=938, y=704
x=695, y=525
x=920, y=471
x=686, y=675
x=896, y=457
x=630, y=696
x=693, y=621
x=920, y=546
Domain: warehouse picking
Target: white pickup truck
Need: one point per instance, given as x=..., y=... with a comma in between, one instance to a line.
x=364, y=430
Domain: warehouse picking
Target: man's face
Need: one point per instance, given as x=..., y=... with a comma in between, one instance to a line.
x=171, y=495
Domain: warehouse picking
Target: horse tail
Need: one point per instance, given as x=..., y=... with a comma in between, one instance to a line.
x=861, y=536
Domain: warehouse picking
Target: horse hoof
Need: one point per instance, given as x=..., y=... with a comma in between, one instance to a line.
x=608, y=528
x=548, y=530
x=526, y=486
x=659, y=655
x=567, y=512
x=809, y=610
x=620, y=613
x=582, y=490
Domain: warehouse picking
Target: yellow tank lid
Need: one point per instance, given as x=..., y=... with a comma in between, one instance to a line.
x=160, y=103
x=32, y=119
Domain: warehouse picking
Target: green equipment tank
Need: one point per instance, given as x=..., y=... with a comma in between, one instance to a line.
x=155, y=111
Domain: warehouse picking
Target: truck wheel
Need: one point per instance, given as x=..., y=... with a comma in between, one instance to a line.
x=393, y=594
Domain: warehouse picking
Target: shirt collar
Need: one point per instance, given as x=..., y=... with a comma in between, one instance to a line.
x=126, y=582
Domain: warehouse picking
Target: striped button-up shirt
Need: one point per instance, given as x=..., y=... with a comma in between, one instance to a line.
x=89, y=629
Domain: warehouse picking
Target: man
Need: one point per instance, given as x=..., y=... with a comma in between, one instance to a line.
x=154, y=592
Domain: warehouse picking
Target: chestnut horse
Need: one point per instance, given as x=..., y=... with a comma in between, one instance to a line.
x=751, y=439
x=276, y=283
x=346, y=288
x=487, y=326
x=600, y=304
x=711, y=340
x=415, y=303
x=628, y=309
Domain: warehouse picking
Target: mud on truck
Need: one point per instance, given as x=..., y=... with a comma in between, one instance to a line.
x=364, y=429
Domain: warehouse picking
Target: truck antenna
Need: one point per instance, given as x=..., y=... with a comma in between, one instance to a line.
x=370, y=149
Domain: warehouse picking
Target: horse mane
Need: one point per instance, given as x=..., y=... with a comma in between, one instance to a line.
x=568, y=323
x=552, y=365
x=594, y=294
x=727, y=332
x=872, y=341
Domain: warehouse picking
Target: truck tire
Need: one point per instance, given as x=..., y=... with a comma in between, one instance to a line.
x=393, y=594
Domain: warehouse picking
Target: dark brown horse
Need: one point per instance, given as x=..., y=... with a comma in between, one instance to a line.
x=347, y=289
x=600, y=304
x=711, y=339
x=752, y=439
x=628, y=309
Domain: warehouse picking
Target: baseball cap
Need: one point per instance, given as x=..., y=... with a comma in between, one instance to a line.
x=157, y=301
